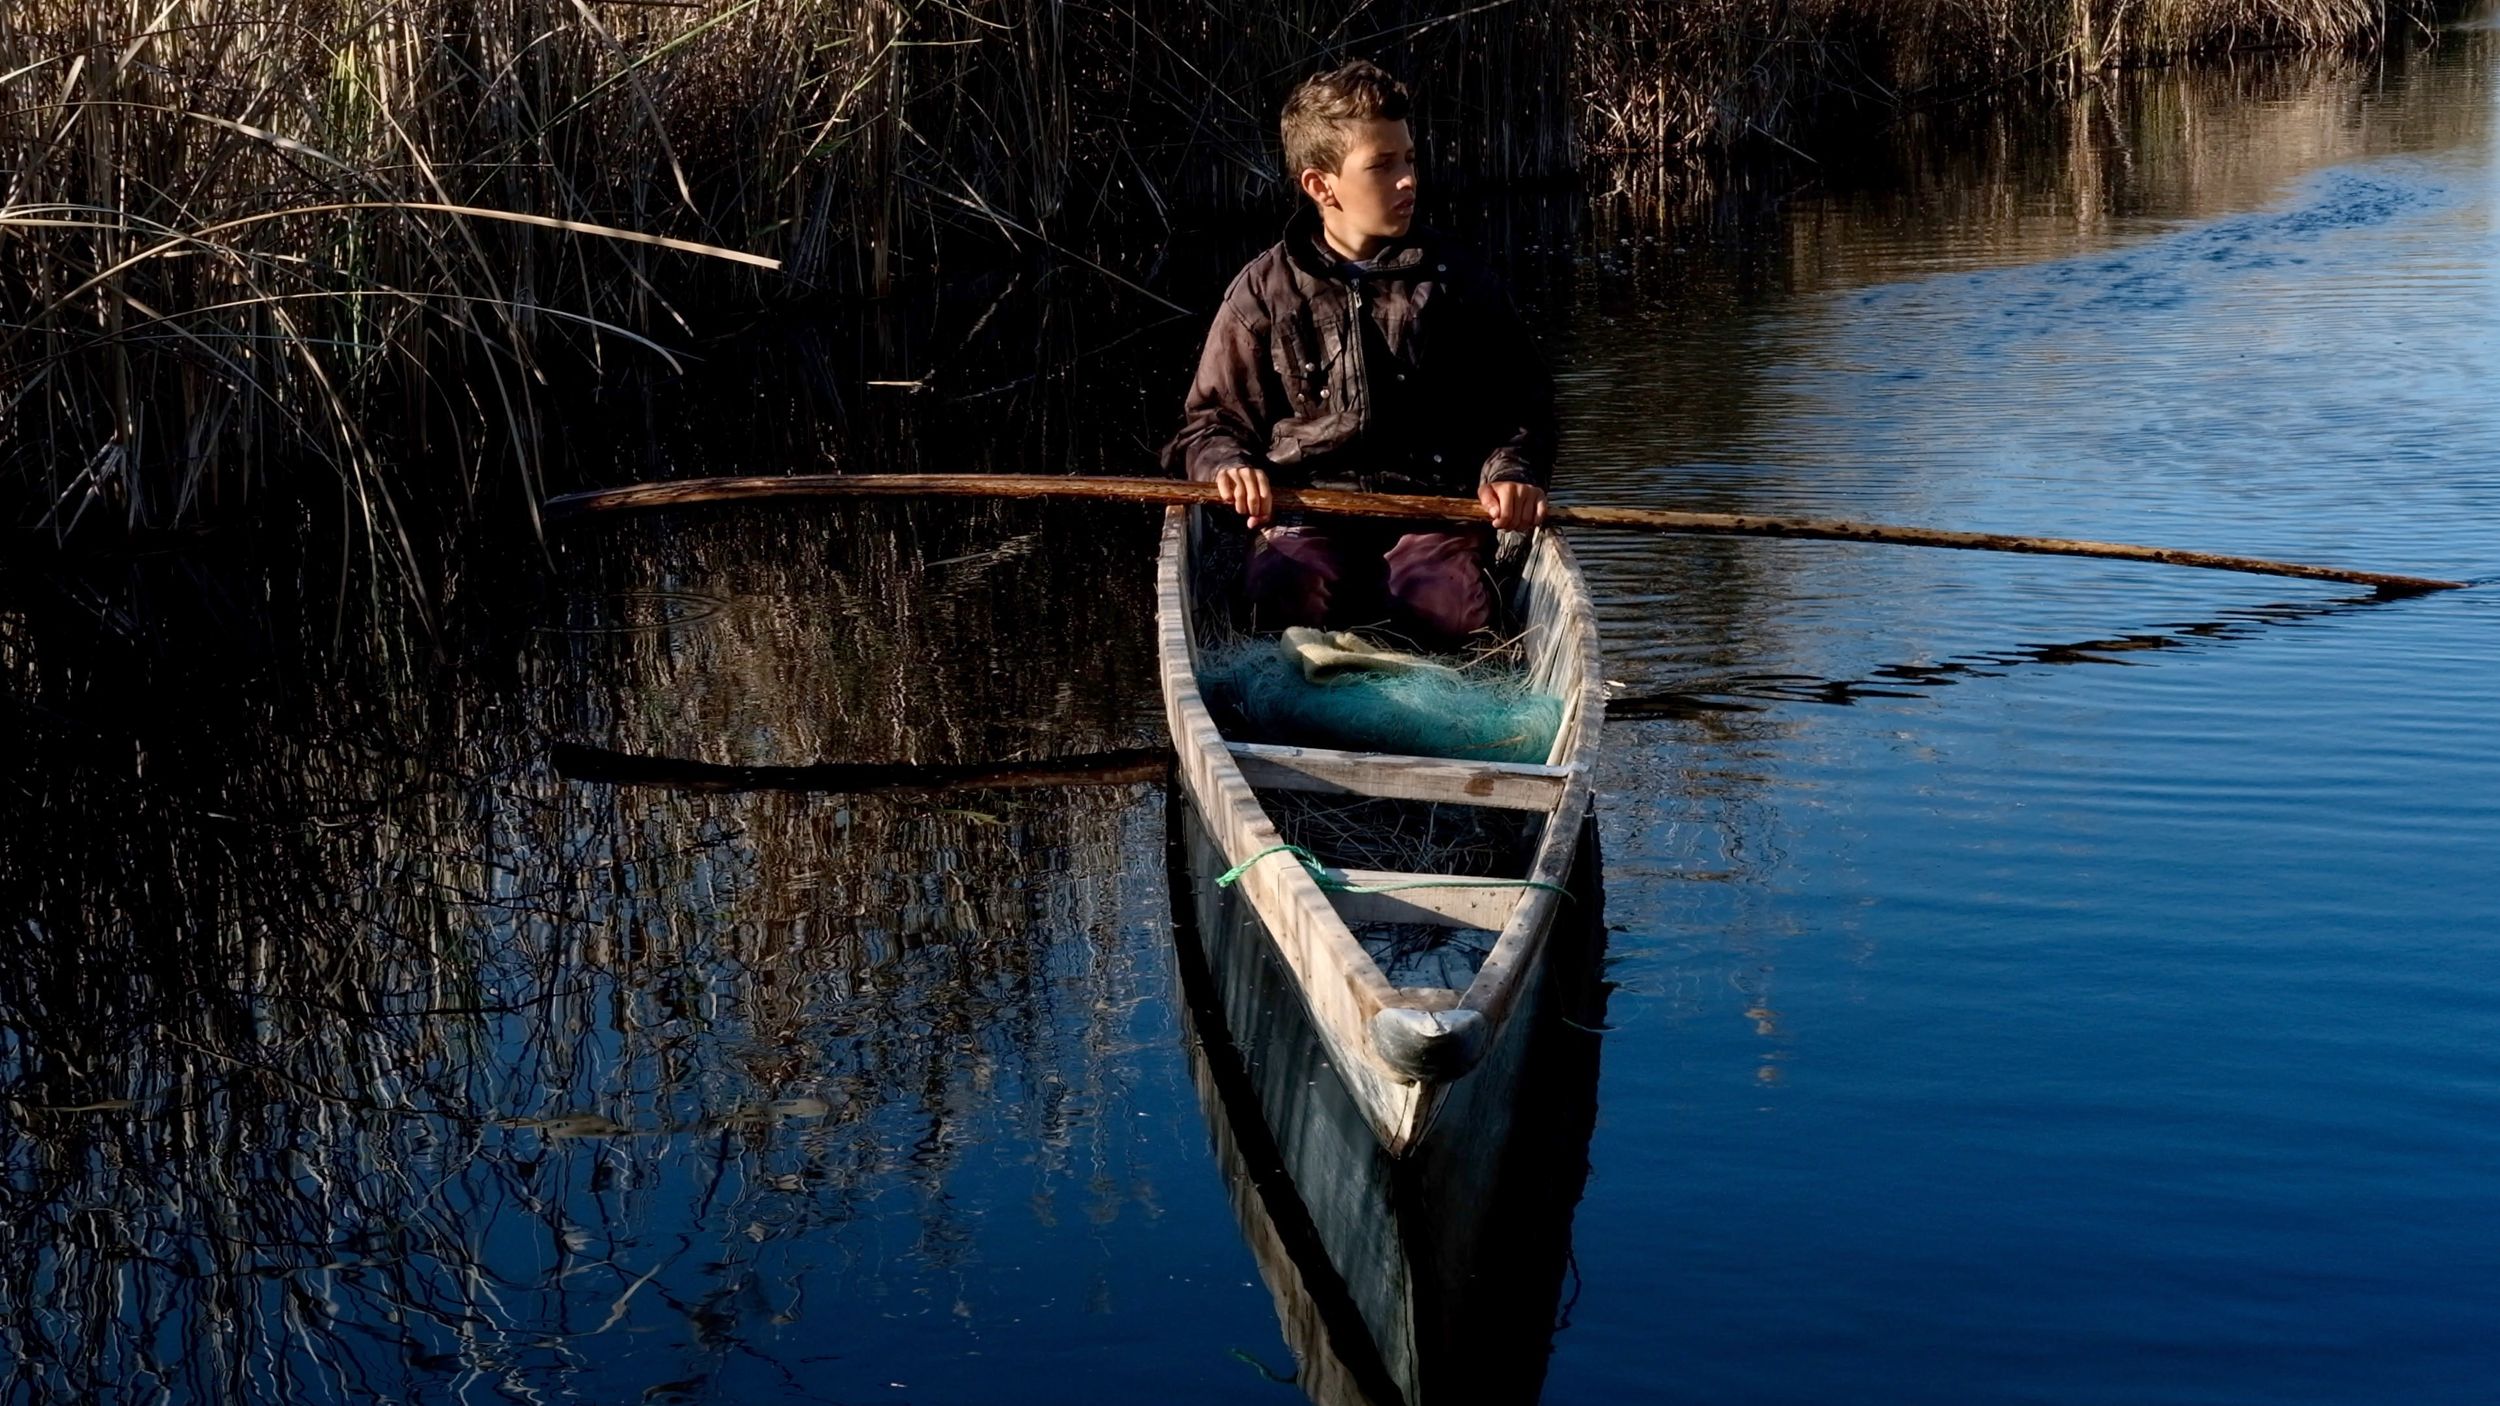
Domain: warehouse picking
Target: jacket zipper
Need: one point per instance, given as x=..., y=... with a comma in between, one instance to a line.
x=1360, y=388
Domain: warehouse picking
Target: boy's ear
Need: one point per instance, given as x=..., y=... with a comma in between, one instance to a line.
x=1316, y=184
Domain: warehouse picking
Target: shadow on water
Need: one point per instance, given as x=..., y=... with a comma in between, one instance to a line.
x=1438, y=1277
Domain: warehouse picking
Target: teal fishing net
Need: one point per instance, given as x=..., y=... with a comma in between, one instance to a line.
x=1483, y=712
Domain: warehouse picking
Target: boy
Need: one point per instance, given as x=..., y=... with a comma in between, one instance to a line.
x=1363, y=352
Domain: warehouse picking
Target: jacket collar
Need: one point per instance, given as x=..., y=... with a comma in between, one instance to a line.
x=1307, y=245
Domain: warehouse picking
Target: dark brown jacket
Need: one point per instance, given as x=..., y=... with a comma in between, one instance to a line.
x=1414, y=376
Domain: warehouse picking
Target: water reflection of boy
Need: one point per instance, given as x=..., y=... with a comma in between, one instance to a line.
x=1363, y=351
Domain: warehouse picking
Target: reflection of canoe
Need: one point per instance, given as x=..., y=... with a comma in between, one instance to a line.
x=1433, y=1277
x=1400, y=1045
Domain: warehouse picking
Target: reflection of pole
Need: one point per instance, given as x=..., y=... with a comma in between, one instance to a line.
x=1703, y=697
x=1119, y=768
x=696, y=491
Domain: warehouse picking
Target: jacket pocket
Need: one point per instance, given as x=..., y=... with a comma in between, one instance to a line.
x=1307, y=357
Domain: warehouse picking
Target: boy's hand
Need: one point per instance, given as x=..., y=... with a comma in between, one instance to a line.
x=1245, y=491
x=1514, y=507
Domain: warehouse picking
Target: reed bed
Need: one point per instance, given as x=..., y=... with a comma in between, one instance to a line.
x=238, y=237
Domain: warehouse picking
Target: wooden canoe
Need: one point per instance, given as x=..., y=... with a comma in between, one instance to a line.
x=1399, y=1050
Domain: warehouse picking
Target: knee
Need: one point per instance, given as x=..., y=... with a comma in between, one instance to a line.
x=1288, y=580
x=1437, y=581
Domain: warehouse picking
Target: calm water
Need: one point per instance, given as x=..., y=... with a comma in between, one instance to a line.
x=2032, y=980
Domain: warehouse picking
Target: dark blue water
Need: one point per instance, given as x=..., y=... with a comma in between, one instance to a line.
x=2104, y=1004
x=2036, y=980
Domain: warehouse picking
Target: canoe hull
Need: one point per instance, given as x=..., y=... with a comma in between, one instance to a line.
x=1427, y=1278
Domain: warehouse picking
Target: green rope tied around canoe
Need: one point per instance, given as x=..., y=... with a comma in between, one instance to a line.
x=1320, y=876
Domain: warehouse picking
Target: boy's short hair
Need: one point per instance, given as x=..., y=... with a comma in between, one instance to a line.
x=1319, y=107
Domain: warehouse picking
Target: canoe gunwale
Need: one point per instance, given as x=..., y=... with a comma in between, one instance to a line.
x=1339, y=982
x=1498, y=982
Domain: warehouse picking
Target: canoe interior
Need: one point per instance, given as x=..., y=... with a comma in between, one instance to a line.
x=1373, y=833
x=1429, y=1278
x=1528, y=599
x=1409, y=986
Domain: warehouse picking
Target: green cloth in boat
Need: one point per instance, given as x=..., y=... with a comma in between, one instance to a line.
x=1311, y=688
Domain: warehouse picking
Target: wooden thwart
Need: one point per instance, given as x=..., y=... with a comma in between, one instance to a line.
x=1502, y=785
x=1441, y=900
x=695, y=491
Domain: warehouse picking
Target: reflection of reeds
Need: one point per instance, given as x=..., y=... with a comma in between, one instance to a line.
x=347, y=1051
x=866, y=634
x=242, y=232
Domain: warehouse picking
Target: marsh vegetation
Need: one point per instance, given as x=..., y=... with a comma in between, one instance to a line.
x=260, y=247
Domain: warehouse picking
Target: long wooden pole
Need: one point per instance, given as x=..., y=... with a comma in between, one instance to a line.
x=695, y=491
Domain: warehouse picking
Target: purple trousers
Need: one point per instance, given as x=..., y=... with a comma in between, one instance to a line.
x=1340, y=574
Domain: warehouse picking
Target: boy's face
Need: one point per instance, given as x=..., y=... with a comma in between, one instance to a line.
x=1370, y=197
